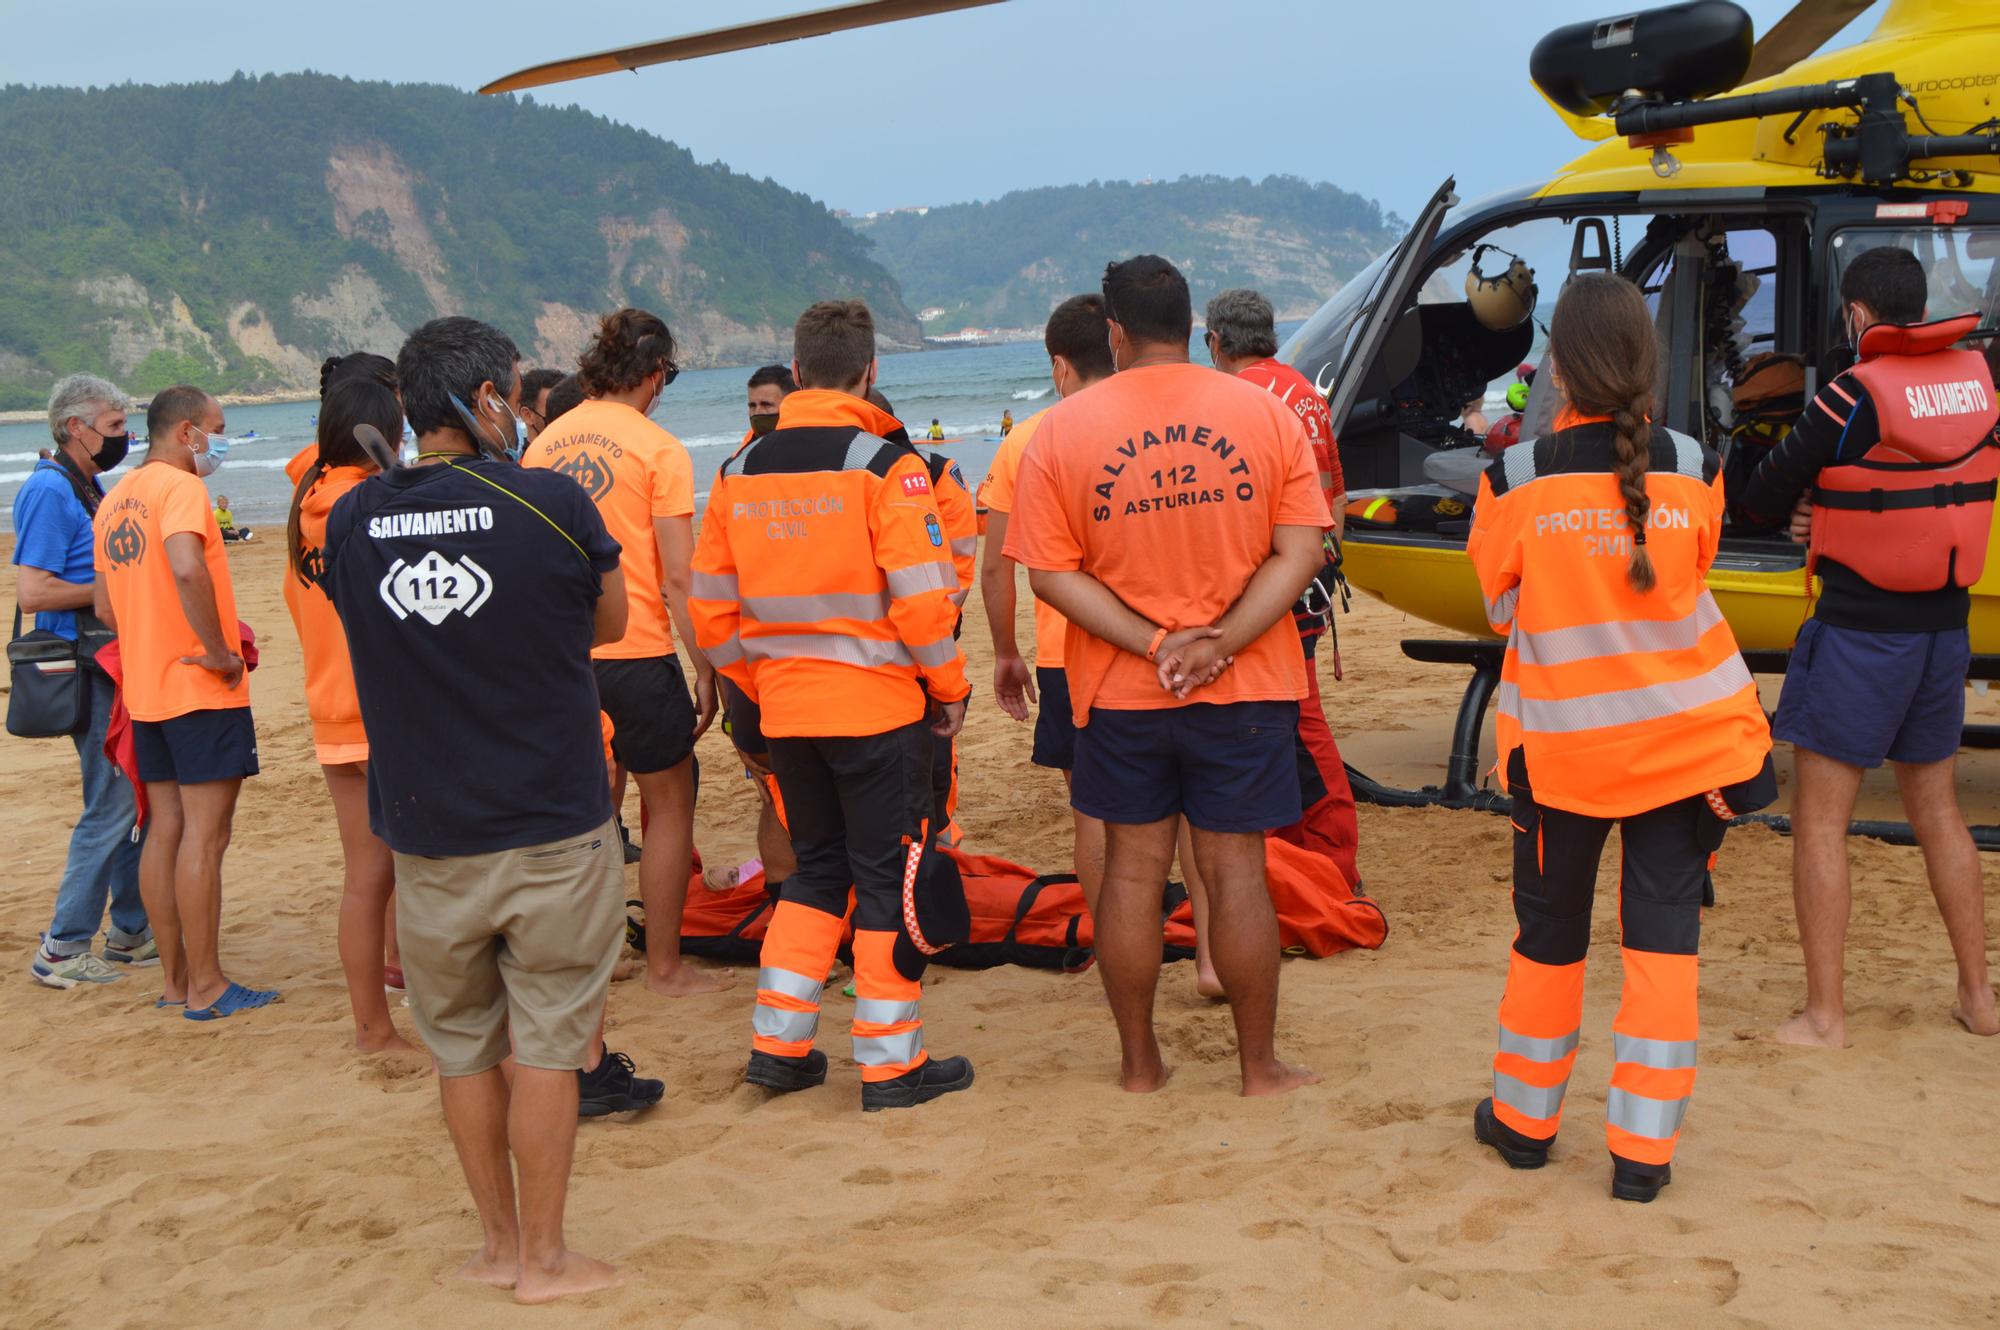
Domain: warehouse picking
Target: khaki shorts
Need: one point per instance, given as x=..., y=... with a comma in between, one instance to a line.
x=519, y=941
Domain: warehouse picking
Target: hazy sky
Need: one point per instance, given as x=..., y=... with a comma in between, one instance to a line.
x=1379, y=96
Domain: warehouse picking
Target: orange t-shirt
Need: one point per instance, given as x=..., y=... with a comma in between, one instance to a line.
x=1165, y=483
x=997, y=493
x=634, y=471
x=330, y=697
x=133, y=523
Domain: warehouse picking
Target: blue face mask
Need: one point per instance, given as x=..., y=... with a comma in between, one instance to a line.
x=520, y=432
x=208, y=463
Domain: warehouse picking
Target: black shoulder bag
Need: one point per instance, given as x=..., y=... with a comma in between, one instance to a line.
x=50, y=693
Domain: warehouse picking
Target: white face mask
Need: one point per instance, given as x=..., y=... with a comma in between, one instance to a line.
x=208, y=462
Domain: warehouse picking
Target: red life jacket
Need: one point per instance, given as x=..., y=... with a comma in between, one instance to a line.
x=1913, y=512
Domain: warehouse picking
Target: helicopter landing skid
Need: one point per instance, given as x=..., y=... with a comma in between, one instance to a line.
x=1462, y=787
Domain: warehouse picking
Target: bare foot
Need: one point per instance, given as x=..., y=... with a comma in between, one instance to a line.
x=624, y=969
x=1975, y=1012
x=492, y=1268
x=1146, y=1079
x=572, y=1275
x=384, y=1043
x=1808, y=1031
x=1277, y=1078
x=686, y=981
x=1207, y=985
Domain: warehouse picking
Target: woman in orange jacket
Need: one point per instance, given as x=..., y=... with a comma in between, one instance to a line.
x=323, y=474
x=1622, y=700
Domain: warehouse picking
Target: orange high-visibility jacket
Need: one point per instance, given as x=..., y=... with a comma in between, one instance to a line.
x=822, y=582
x=960, y=518
x=1623, y=701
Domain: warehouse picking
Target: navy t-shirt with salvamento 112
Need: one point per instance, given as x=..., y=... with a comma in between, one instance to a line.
x=469, y=615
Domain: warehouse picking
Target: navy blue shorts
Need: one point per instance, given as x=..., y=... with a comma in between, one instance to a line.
x=1229, y=767
x=197, y=748
x=1055, y=723
x=1860, y=698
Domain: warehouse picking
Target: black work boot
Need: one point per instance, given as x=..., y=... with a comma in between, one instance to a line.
x=615, y=1087
x=1519, y=1151
x=1633, y=1181
x=786, y=1074
x=936, y=1077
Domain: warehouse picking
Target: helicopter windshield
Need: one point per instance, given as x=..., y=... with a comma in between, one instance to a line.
x=1321, y=337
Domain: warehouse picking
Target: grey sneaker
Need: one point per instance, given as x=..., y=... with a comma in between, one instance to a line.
x=69, y=971
x=146, y=953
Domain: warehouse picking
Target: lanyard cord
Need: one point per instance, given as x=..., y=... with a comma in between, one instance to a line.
x=446, y=458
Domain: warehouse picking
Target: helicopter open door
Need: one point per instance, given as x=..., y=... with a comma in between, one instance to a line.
x=1370, y=338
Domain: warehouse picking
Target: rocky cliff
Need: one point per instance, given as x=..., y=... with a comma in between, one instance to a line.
x=235, y=234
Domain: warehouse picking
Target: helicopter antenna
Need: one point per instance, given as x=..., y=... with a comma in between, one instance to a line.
x=766, y=32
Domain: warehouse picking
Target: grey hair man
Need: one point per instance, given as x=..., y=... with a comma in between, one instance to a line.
x=1242, y=329
x=54, y=579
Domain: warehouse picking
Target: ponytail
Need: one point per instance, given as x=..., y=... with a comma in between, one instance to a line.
x=295, y=542
x=1635, y=449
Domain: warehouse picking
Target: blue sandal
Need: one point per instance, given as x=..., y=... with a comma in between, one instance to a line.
x=235, y=998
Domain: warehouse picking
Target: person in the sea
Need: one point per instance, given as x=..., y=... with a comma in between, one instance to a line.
x=937, y=430
x=1006, y=423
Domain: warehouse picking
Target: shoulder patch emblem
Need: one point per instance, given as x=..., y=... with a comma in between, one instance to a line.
x=916, y=483
x=932, y=529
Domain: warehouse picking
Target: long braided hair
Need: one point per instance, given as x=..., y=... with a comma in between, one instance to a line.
x=1607, y=352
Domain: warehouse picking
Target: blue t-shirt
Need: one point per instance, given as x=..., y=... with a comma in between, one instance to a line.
x=469, y=617
x=52, y=532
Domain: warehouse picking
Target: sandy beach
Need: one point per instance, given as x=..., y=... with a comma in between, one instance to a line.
x=161, y=1174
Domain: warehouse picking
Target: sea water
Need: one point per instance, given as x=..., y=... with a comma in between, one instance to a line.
x=965, y=390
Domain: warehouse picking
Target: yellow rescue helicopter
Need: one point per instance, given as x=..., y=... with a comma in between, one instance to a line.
x=1733, y=181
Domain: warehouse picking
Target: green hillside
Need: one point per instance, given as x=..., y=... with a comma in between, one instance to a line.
x=233, y=234
x=1008, y=262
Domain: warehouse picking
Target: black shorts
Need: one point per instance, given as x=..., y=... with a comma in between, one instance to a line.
x=652, y=715
x=1229, y=767
x=1055, y=725
x=197, y=748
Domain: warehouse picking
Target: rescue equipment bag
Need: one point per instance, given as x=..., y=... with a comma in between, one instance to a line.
x=1020, y=917
x=1913, y=512
x=726, y=926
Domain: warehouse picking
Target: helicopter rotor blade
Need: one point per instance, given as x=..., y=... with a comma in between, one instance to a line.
x=766, y=32
x=1807, y=26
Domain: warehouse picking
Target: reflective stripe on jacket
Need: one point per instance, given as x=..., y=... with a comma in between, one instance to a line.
x=960, y=518
x=1623, y=701
x=823, y=581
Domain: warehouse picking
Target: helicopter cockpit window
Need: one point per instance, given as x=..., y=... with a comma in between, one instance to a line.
x=1962, y=263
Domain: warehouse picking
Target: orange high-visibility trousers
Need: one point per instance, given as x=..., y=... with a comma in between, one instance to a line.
x=1664, y=861
x=856, y=809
